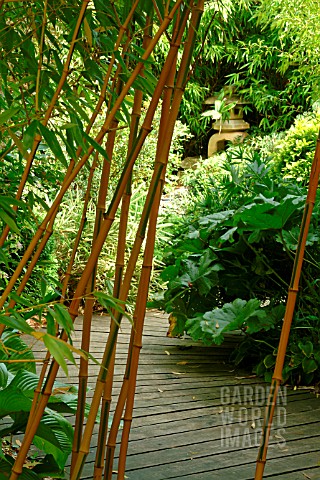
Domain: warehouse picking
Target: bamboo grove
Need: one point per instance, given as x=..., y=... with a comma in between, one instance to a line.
x=114, y=41
x=73, y=75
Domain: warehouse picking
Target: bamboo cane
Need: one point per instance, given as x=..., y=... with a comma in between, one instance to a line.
x=163, y=153
x=124, y=388
x=119, y=266
x=108, y=353
x=80, y=229
x=86, y=333
x=17, y=468
x=163, y=134
x=48, y=113
x=291, y=301
x=47, y=234
x=106, y=400
x=87, y=318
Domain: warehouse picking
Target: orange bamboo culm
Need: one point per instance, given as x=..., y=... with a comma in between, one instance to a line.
x=291, y=301
x=89, y=302
x=124, y=388
x=119, y=266
x=17, y=468
x=164, y=141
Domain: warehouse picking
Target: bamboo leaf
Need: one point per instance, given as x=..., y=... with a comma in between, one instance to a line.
x=96, y=145
x=63, y=317
x=17, y=322
x=56, y=351
x=19, y=144
x=8, y=220
x=8, y=114
x=87, y=31
x=53, y=143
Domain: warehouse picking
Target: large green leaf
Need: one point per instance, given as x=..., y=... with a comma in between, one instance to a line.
x=54, y=436
x=232, y=316
x=6, y=469
x=12, y=401
x=4, y=375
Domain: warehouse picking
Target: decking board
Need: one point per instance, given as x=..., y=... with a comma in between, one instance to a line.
x=180, y=417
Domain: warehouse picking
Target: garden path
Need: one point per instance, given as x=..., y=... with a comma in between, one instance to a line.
x=196, y=417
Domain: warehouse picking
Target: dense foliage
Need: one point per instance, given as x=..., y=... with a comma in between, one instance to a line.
x=229, y=263
x=267, y=50
x=18, y=380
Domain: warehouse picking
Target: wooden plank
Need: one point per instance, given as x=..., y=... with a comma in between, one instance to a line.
x=204, y=458
x=182, y=412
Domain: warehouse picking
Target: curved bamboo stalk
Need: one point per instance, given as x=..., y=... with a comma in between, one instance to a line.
x=291, y=301
x=165, y=138
x=37, y=138
x=87, y=317
x=136, y=344
x=124, y=388
x=108, y=353
x=80, y=229
x=47, y=234
x=44, y=23
x=119, y=267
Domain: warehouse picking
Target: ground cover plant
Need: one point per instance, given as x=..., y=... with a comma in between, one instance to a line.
x=229, y=263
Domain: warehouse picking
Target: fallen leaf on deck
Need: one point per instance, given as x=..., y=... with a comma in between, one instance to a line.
x=168, y=353
x=178, y=373
x=182, y=363
x=159, y=390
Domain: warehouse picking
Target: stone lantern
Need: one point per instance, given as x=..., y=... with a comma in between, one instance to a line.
x=228, y=130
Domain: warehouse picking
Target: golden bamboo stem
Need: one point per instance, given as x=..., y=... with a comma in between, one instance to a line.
x=80, y=229
x=44, y=23
x=87, y=318
x=108, y=353
x=291, y=301
x=124, y=388
x=48, y=113
x=125, y=204
x=163, y=153
x=47, y=235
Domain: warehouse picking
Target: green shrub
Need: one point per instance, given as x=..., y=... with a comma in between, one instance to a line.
x=229, y=264
x=294, y=151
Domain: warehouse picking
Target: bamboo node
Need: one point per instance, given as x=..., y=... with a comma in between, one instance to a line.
x=38, y=137
x=137, y=345
x=277, y=377
x=294, y=290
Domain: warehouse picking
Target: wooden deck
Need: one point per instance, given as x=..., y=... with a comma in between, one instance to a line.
x=197, y=418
